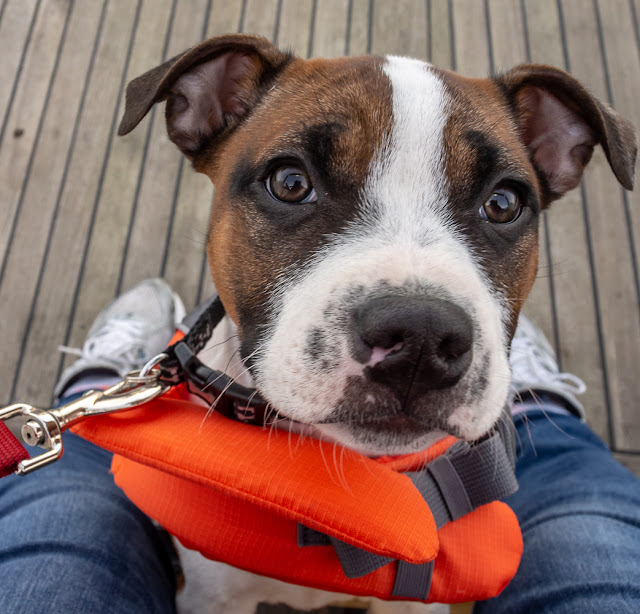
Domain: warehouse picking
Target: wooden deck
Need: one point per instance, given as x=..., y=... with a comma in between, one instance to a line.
x=86, y=215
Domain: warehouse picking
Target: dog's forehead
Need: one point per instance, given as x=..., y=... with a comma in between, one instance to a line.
x=347, y=111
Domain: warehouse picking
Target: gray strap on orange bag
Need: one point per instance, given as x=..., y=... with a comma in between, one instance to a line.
x=467, y=476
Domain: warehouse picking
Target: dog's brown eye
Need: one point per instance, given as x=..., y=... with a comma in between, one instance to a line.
x=291, y=184
x=502, y=207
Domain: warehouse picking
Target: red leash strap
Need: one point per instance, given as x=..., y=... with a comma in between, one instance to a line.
x=11, y=451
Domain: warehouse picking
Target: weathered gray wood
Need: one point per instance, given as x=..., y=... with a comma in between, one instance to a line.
x=471, y=43
x=330, y=31
x=294, y=30
x=224, y=17
x=507, y=34
x=260, y=18
x=609, y=237
x=408, y=36
x=113, y=208
x=15, y=28
x=55, y=297
x=623, y=70
x=26, y=112
x=38, y=200
x=441, y=43
x=569, y=270
x=359, y=28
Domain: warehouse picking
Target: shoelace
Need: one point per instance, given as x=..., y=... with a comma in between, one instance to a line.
x=119, y=341
x=541, y=368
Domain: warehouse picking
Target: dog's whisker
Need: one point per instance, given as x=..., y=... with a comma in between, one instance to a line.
x=217, y=345
x=196, y=241
x=335, y=464
x=325, y=462
x=224, y=390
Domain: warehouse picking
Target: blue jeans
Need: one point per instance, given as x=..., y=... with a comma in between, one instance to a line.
x=579, y=511
x=70, y=541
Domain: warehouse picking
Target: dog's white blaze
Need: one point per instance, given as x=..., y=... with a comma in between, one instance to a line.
x=404, y=234
x=410, y=169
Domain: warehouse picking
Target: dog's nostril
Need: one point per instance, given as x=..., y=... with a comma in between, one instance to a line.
x=378, y=354
x=452, y=347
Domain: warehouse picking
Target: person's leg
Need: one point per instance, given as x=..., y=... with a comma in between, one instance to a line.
x=70, y=540
x=579, y=510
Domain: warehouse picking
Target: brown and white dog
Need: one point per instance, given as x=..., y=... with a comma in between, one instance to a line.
x=374, y=235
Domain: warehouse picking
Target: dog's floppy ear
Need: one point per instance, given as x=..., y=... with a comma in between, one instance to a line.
x=208, y=88
x=561, y=122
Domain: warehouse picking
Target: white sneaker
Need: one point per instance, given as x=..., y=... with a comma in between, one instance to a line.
x=132, y=329
x=534, y=368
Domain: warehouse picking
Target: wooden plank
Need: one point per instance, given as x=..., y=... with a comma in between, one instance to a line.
x=441, y=28
x=224, y=17
x=294, y=30
x=359, y=42
x=409, y=35
x=330, y=33
x=623, y=87
x=26, y=114
x=544, y=35
x=207, y=287
x=636, y=20
x=38, y=199
x=608, y=233
x=260, y=18
x=507, y=34
x=470, y=38
x=97, y=123
x=186, y=249
x=99, y=279
x=570, y=271
x=154, y=201
x=15, y=35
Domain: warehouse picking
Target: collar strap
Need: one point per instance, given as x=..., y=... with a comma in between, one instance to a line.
x=216, y=388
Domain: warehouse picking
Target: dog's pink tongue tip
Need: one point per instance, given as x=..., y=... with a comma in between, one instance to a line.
x=378, y=354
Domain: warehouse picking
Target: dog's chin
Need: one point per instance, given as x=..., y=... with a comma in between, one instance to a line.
x=395, y=435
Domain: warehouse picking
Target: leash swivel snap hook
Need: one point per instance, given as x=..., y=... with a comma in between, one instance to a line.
x=44, y=428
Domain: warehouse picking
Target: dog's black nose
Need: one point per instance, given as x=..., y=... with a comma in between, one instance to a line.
x=413, y=344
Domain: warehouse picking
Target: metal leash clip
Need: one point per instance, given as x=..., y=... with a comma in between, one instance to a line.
x=44, y=428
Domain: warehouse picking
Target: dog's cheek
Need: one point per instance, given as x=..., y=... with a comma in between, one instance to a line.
x=514, y=277
x=221, y=260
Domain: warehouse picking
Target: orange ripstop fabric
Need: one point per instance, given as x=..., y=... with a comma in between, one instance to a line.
x=237, y=492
